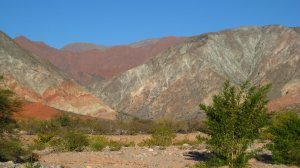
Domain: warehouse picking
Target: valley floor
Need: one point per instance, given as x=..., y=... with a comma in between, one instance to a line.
x=134, y=157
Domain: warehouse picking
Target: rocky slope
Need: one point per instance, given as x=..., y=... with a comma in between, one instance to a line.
x=81, y=47
x=36, y=80
x=87, y=63
x=175, y=81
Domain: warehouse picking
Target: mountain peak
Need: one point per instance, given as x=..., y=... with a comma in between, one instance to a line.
x=82, y=47
x=36, y=80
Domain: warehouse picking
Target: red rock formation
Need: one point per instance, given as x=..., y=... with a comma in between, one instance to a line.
x=36, y=80
x=37, y=111
x=82, y=66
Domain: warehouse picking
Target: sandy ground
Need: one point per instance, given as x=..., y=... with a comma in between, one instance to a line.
x=131, y=157
x=135, y=157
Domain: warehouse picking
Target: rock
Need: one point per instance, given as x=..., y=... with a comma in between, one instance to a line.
x=139, y=156
x=155, y=153
x=184, y=75
x=10, y=162
x=37, y=80
x=102, y=62
x=157, y=147
x=150, y=150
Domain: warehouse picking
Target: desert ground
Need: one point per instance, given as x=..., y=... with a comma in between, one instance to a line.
x=133, y=157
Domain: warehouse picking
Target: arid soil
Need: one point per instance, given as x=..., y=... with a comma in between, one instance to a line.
x=37, y=111
x=135, y=157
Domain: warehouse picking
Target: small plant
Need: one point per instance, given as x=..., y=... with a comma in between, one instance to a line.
x=62, y=120
x=99, y=143
x=162, y=135
x=212, y=162
x=32, y=165
x=69, y=141
x=57, y=143
x=201, y=139
x=285, y=131
x=74, y=141
x=44, y=138
x=13, y=150
x=42, y=141
x=115, y=146
x=200, y=165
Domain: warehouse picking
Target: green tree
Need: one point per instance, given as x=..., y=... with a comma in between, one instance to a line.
x=285, y=136
x=8, y=104
x=10, y=148
x=234, y=121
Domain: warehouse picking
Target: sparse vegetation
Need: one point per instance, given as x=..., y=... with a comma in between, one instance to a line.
x=162, y=135
x=10, y=146
x=65, y=122
x=12, y=149
x=70, y=141
x=285, y=136
x=8, y=104
x=98, y=143
x=234, y=122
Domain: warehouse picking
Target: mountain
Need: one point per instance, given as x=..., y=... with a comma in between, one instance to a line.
x=36, y=80
x=80, y=47
x=86, y=63
x=175, y=81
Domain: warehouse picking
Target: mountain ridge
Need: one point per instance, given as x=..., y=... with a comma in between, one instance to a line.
x=175, y=81
x=92, y=65
x=35, y=79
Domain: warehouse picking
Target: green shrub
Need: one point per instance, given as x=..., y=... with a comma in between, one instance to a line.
x=33, y=165
x=74, y=141
x=201, y=139
x=115, y=146
x=212, y=162
x=42, y=141
x=128, y=144
x=285, y=131
x=99, y=143
x=200, y=165
x=44, y=138
x=10, y=148
x=234, y=121
x=57, y=144
x=69, y=141
x=62, y=120
x=13, y=150
x=9, y=103
x=162, y=135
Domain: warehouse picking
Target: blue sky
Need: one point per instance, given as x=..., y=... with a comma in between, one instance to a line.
x=112, y=22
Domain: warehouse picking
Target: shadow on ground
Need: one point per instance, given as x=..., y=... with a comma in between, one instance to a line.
x=197, y=156
x=266, y=158
x=205, y=156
